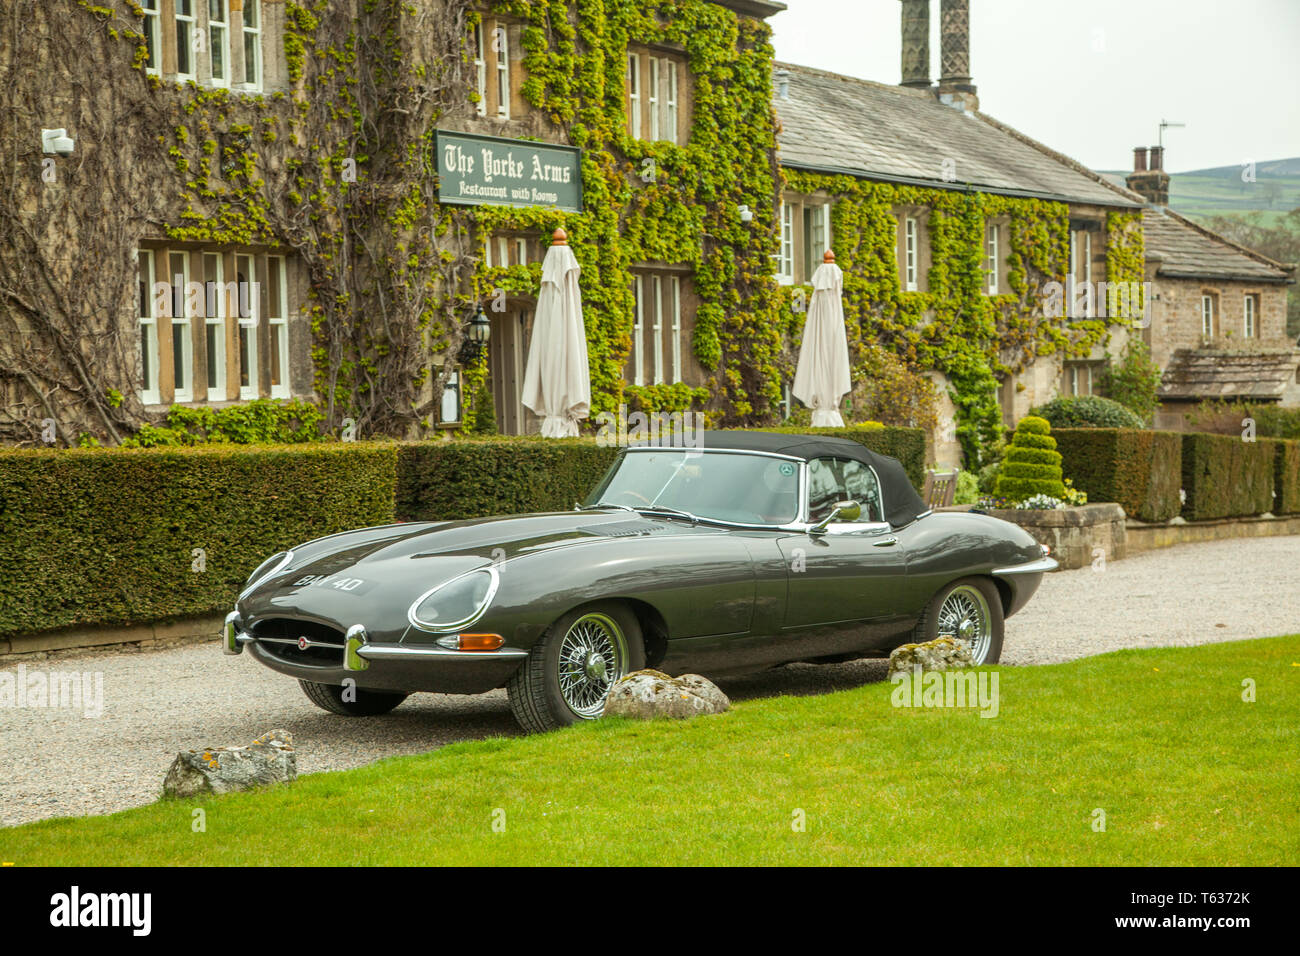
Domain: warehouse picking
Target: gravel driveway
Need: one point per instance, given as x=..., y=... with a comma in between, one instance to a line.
x=59, y=763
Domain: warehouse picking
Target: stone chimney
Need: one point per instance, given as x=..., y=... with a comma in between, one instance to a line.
x=955, y=87
x=1149, y=178
x=916, y=44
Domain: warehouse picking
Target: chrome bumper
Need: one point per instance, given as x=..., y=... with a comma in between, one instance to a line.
x=358, y=652
x=1040, y=566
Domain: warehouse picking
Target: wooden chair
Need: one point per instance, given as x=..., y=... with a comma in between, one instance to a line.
x=940, y=488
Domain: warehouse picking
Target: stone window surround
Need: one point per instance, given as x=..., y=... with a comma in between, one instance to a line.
x=654, y=82
x=920, y=215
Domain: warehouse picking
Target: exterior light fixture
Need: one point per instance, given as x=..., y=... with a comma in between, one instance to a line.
x=57, y=142
x=477, y=331
x=746, y=214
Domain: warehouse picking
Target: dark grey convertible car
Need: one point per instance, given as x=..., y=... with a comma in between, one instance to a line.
x=755, y=549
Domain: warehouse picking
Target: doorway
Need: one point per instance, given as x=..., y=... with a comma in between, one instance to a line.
x=507, y=360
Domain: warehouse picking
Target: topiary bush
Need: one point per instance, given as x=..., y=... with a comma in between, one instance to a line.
x=1032, y=465
x=1087, y=411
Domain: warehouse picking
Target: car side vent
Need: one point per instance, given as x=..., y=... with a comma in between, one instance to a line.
x=626, y=529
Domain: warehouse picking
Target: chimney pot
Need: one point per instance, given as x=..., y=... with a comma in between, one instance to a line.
x=1139, y=159
x=1157, y=157
x=955, y=87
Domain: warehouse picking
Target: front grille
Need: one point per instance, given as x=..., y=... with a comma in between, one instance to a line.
x=280, y=636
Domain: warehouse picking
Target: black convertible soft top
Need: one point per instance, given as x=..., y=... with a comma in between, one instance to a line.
x=903, y=505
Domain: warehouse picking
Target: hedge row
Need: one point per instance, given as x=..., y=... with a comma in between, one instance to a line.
x=1142, y=470
x=1225, y=477
x=120, y=536
x=1286, y=476
x=124, y=536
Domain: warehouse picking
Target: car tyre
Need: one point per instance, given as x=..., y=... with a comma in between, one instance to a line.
x=974, y=600
x=368, y=703
x=587, y=649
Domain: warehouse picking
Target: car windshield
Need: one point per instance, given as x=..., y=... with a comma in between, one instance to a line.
x=720, y=486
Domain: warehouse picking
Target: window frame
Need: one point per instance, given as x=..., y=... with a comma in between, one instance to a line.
x=152, y=29
x=246, y=337
x=677, y=328
x=911, y=254
x=1250, y=316
x=671, y=101
x=653, y=98
x=451, y=384
x=1207, y=315
x=638, y=330
x=184, y=322
x=501, y=32
x=215, y=314
x=255, y=32
x=992, y=253
x=190, y=21
x=150, y=355
x=214, y=45
x=634, y=95
x=480, y=69
x=785, y=248
x=279, y=326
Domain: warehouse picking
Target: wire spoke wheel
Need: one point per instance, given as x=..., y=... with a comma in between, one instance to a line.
x=593, y=655
x=964, y=616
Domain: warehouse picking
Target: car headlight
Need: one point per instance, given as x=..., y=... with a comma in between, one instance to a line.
x=456, y=603
x=271, y=565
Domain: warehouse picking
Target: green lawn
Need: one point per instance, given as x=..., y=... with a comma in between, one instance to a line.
x=1161, y=740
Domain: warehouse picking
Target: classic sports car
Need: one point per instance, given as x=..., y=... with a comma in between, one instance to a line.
x=754, y=550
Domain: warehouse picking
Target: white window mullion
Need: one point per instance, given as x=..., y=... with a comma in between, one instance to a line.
x=182, y=328
x=215, y=312
x=638, y=326
x=654, y=98
x=658, y=329
x=993, y=259
x=677, y=329
x=785, y=254
x=670, y=105
x=249, y=318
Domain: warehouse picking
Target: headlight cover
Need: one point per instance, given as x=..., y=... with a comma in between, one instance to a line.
x=458, y=602
x=271, y=565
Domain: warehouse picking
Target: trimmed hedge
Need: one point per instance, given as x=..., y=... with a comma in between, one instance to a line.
x=1031, y=466
x=1225, y=477
x=107, y=536
x=1139, y=469
x=442, y=480
x=1286, y=476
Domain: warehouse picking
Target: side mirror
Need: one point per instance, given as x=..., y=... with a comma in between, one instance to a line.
x=843, y=511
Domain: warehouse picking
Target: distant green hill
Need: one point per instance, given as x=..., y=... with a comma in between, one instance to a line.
x=1221, y=191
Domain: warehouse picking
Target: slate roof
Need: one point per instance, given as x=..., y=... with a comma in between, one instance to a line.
x=839, y=124
x=1186, y=250
x=1197, y=374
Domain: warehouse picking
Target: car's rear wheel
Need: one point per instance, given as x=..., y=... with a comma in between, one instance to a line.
x=570, y=671
x=968, y=610
x=356, y=703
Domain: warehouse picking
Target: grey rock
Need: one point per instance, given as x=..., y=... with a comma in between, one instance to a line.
x=941, y=654
x=268, y=759
x=650, y=694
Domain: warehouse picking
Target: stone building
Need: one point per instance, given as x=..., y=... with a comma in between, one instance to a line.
x=1217, y=311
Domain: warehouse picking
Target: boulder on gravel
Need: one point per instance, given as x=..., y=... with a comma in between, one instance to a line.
x=650, y=694
x=268, y=759
x=941, y=654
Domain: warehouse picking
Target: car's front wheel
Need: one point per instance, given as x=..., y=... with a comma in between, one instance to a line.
x=355, y=703
x=570, y=671
x=968, y=610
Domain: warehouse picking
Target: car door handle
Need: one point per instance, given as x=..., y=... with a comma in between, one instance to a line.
x=884, y=542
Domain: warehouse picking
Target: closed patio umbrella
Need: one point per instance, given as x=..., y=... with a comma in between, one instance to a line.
x=557, y=381
x=821, y=378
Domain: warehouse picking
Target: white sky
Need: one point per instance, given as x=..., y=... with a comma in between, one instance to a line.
x=1093, y=78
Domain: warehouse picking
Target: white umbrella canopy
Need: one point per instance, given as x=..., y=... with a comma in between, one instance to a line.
x=821, y=378
x=557, y=380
